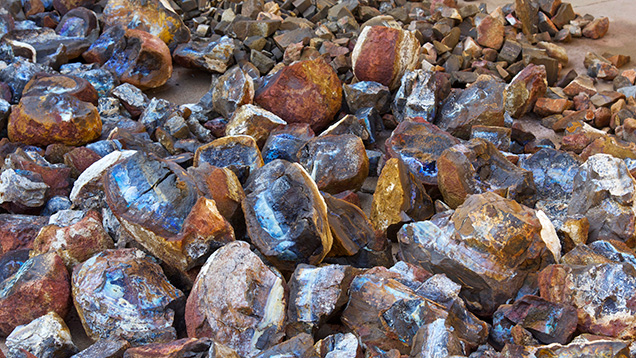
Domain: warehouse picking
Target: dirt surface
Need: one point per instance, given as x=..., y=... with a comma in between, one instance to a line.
x=188, y=86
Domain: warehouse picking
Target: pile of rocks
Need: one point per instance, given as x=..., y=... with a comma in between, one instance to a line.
x=363, y=179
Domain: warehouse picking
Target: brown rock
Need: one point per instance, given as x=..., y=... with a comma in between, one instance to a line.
x=305, y=92
x=40, y=285
x=54, y=118
x=581, y=84
x=489, y=245
x=233, y=89
x=335, y=162
x=398, y=198
x=383, y=54
x=124, y=293
x=597, y=28
x=43, y=83
x=237, y=301
x=222, y=186
x=548, y=106
x=19, y=231
x=476, y=167
x=186, y=347
x=150, y=16
x=79, y=159
x=74, y=243
x=524, y=90
x=350, y=228
x=105, y=348
x=253, y=121
x=490, y=32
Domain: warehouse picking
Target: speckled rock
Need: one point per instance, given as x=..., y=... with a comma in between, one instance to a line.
x=604, y=193
x=419, y=95
x=182, y=348
x=335, y=162
x=124, y=293
x=383, y=54
x=45, y=337
x=19, y=231
x=305, y=92
x=74, y=243
x=40, y=285
x=315, y=295
x=286, y=216
x=105, y=348
x=158, y=204
x=489, y=245
x=398, y=198
x=151, y=16
x=476, y=167
x=299, y=346
x=237, y=301
x=418, y=145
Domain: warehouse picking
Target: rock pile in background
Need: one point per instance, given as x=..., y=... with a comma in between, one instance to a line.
x=363, y=179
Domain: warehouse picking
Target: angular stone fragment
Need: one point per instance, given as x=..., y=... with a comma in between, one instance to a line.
x=46, y=336
x=477, y=167
x=398, y=198
x=43, y=83
x=80, y=159
x=436, y=338
x=300, y=346
x=74, y=243
x=604, y=193
x=11, y=262
x=105, y=348
x=158, y=204
x=222, y=186
x=253, y=121
x=27, y=189
x=19, y=231
x=581, y=84
x=286, y=216
x=547, y=106
x=419, y=95
x=350, y=228
x=366, y=94
x=481, y=103
x=418, y=145
x=212, y=56
x=232, y=90
x=524, y=90
x=597, y=28
x=239, y=151
x=315, y=295
x=548, y=322
x=124, y=293
x=335, y=162
x=304, y=92
x=489, y=245
x=150, y=16
x=587, y=345
x=186, y=347
x=339, y=345
x=237, y=301
x=490, y=32
x=383, y=54
x=54, y=118
x=40, y=285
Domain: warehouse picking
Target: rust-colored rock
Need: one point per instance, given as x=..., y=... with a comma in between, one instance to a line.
x=476, y=167
x=524, y=90
x=222, y=186
x=80, y=159
x=490, y=32
x=74, y=243
x=150, y=16
x=597, y=28
x=44, y=83
x=350, y=228
x=182, y=348
x=383, y=54
x=548, y=106
x=305, y=92
x=237, y=301
x=40, y=285
x=54, y=118
x=19, y=231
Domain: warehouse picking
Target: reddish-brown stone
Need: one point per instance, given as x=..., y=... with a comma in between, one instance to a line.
x=54, y=118
x=74, y=243
x=382, y=54
x=56, y=177
x=305, y=92
x=40, y=286
x=597, y=28
x=524, y=90
x=44, y=83
x=19, y=231
x=490, y=32
x=79, y=159
x=549, y=106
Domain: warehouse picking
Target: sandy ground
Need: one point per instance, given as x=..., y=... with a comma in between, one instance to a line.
x=188, y=86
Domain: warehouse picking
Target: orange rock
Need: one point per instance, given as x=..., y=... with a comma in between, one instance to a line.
x=147, y=15
x=54, y=118
x=490, y=32
x=597, y=28
x=43, y=83
x=384, y=54
x=305, y=92
x=549, y=106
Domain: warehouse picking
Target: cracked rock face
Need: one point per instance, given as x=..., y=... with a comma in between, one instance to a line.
x=46, y=336
x=286, y=216
x=238, y=301
x=124, y=293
